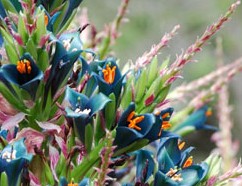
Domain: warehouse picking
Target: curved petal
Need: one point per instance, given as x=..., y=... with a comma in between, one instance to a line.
x=76, y=99
x=165, y=161
x=192, y=175
x=125, y=136
x=162, y=179
x=170, y=146
x=123, y=119
x=97, y=103
x=145, y=165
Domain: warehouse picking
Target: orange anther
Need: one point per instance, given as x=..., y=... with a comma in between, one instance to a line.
x=24, y=66
x=133, y=122
x=72, y=184
x=165, y=125
x=181, y=145
x=208, y=113
x=188, y=162
x=46, y=20
x=165, y=115
x=109, y=74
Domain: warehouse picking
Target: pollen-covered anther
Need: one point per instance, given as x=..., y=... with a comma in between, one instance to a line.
x=24, y=66
x=164, y=126
x=172, y=173
x=209, y=112
x=9, y=156
x=134, y=121
x=72, y=184
x=188, y=162
x=109, y=74
x=85, y=111
x=177, y=178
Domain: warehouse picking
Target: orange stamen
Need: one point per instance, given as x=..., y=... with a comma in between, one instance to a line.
x=109, y=74
x=188, y=162
x=165, y=115
x=72, y=184
x=181, y=145
x=165, y=125
x=133, y=122
x=46, y=20
x=208, y=113
x=24, y=67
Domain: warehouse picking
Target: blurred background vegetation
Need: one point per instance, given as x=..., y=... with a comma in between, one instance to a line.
x=150, y=20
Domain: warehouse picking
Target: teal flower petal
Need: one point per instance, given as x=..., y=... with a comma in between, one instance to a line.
x=13, y=159
x=83, y=109
x=162, y=179
x=145, y=166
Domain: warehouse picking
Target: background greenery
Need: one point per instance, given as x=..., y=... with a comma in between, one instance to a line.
x=149, y=20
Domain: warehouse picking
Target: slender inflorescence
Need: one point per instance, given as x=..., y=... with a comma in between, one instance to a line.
x=186, y=56
x=186, y=89
x=147, y=57
x=205, y=96
x=119, y=18
x=106, y=155
x=223, y=138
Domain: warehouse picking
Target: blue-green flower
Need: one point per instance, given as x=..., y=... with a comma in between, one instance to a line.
x=196, y=121
x=83, y=109
x=110, y=79
x=176, y=166
x=13, y=159
x=25, y=74
x=61, y=65
x=133, y=127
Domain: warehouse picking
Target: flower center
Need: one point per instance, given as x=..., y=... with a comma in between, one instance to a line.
x=172, y=173
x=72, y=184
x=133, y=121
x=9, y=156
x=109, y=74
x=85, y=111
x=24, y=67
x=188, y=162
x=208, y=112
x=165, y=124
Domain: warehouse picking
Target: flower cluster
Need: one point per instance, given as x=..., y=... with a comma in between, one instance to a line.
x=70, y=116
